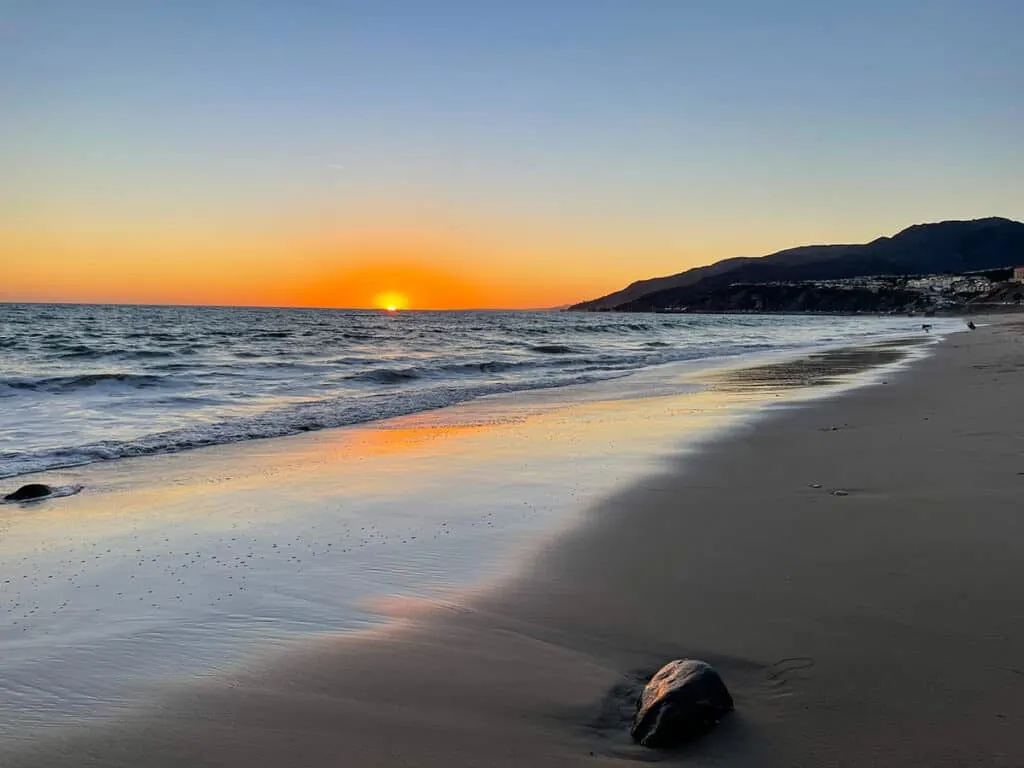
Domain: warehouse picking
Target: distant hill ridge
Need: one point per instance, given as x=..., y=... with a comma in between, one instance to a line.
x=939, y=248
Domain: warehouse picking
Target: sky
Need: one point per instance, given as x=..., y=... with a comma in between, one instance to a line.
x=477, y=153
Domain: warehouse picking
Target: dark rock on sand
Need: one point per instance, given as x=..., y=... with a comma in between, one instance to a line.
x=684, y=700
x=29, y=492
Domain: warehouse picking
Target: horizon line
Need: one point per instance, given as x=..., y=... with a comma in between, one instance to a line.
x=281, y=306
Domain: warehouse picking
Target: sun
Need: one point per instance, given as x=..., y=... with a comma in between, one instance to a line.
x=391, y=301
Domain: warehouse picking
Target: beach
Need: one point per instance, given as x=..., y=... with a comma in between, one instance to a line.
x=848, y=560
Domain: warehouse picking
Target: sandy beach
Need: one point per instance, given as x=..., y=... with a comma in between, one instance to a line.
x=540, y=384
x=880, y=626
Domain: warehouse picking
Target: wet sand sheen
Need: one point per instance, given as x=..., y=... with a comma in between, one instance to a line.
x=177, y=566
x=831, y=617
x=825, y=368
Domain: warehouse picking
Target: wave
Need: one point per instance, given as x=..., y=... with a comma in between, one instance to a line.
x=305, y=417
x=83, y=352
x=486, y=366
x=328, y=413
x=203, y=376
x=553, y=349
x=387, y=375
x=450, y=371
x=157, y=354
x=80, y=352
x=66, y=384
x=613, y=328
x=152, y=336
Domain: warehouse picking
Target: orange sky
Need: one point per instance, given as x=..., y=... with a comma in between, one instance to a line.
x=251, y=275
x=438, y=258
x=432, y=267
x=432, y=261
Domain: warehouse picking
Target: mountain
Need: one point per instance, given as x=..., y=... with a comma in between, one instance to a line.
x=948, y=247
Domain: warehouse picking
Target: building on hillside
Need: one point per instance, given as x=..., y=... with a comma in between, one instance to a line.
x=936, y=283
x=1018, y=274
x=971, y=284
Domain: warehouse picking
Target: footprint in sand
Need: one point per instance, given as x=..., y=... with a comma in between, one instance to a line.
x=780, y=675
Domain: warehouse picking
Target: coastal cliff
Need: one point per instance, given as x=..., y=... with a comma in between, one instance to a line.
x=837, y=278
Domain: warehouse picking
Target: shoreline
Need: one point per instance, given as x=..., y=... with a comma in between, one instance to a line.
x=555, y=641
x=198, y=559
x=34, y=448
x=986, y=310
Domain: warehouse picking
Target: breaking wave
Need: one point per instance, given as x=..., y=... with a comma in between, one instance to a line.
x=82, y=383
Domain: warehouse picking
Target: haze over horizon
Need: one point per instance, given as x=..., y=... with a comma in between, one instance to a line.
x=464, y=154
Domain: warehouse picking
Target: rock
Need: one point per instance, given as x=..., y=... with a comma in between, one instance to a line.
x=684, y=700
x=29, y=492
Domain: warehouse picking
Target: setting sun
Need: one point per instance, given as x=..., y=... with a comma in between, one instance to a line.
x=391, y=301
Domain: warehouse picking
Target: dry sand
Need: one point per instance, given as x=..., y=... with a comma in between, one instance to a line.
x=881, y=627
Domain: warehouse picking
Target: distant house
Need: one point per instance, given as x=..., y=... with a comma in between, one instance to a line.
x=1018, y=274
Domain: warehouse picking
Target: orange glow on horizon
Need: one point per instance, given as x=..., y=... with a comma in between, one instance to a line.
x=415, y=266
x=392, y=284
x=391, y=301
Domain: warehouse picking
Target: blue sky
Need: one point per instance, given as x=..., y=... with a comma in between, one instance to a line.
x=634, y=137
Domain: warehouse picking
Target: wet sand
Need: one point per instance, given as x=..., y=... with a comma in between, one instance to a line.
x=879, y=627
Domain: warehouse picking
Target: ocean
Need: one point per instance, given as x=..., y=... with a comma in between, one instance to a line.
x=197, y=563
x=81, y=384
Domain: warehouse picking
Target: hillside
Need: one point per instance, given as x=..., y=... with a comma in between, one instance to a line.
x=948, y=247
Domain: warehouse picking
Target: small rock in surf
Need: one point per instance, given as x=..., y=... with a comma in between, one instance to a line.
x=29, y=492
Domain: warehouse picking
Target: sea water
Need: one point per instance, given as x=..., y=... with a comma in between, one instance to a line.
x=82, y=384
